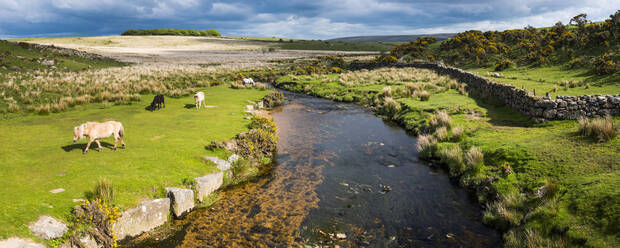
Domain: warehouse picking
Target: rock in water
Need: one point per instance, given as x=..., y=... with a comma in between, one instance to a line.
x=48, y=228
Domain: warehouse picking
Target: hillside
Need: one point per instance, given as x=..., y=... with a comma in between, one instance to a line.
x=392, y=38
x=24, y=56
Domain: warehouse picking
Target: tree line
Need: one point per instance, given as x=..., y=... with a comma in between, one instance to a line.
x=173, y=31
x=580, y=43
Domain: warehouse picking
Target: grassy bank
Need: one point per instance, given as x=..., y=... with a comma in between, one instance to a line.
x=163, y=149
x=555, y=80
x=22, y=57
x=542, y=184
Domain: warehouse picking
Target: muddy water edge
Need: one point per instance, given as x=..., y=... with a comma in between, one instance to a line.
x=342, y=176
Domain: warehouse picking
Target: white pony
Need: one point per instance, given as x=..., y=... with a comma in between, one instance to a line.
x=199, y=99
x=96, y=131
x=249, y=81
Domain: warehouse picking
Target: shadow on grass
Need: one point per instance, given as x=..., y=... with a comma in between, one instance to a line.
x=501, y=115
x=190, y=106
x=82, y=146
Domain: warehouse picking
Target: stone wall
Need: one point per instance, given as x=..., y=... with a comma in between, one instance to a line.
x=538, y=108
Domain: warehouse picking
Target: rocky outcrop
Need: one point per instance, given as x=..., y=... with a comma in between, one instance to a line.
x=182, y=201
x=146, y=217
x=205, y=185
x=48, y=228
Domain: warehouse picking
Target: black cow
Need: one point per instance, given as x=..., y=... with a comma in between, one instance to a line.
x=158, y=101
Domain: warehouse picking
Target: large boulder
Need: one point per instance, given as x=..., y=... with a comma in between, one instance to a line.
x=182, y=201
x=19, y=243
x=220, y=163
x=48, y=228
x=146, y=217
x=205, y=185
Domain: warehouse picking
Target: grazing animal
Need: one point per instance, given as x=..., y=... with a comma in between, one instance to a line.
x=96, y=131
x=158, y=100
x=199, y=99
x=249, y=81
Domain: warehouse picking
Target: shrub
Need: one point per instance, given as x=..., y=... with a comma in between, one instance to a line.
x=453, y=158
x=424, y=95
x=441, y=119
x=260, y=142
x=259, y=122
x=504, y=64
x=336, y=70
x=104, y=191
x=274, y=99
x=603, y=129
x=97, y=219
x=605, y=65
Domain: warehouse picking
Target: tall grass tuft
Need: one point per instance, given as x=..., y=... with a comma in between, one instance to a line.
x=501, y=215
x=390, y=107
x=386, y=91
x=13, y=107
x=603, y=129
x=441, y=134
x=453, y=157
x=457, y=133
x=426, y=146
x=441, y=119
x=424, y=95
x=474, y=158
x=104, y=190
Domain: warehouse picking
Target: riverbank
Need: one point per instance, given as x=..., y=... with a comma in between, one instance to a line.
x=331, y=186
x=46, y=174
x=578, y=176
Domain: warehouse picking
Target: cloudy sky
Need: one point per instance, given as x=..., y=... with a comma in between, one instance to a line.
x=308, y=19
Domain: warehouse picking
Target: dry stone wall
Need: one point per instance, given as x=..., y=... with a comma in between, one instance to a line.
x=540, y=109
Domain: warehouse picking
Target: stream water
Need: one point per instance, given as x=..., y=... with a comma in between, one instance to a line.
x=340, y=171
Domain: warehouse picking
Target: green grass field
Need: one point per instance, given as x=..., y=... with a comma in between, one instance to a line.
x=163, y=148
x=586, y=171
x=556, y=80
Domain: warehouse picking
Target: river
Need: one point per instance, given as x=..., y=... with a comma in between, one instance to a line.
x=342, y=176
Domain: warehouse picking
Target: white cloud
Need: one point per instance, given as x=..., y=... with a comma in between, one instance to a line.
x=300, y=27
x=219, y=9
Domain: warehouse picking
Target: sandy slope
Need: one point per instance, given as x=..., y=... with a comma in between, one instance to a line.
x=180, y=49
